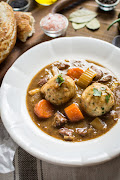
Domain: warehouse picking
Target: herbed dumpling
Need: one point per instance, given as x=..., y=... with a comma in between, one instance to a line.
x=59, y=89
x=97, y=99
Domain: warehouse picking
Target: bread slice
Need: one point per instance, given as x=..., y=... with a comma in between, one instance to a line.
x=7, y=30
x=25, y=25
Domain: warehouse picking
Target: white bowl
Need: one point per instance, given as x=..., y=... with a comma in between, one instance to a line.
x=18, y=122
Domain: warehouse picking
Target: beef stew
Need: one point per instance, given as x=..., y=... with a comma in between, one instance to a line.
x=74, y=100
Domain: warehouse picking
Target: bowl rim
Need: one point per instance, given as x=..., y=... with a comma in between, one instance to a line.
x=43, y=156
x=107, y=5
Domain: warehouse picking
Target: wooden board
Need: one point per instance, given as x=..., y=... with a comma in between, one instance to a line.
x=38, y=12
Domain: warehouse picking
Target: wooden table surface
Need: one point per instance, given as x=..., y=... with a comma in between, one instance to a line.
x=38, y=12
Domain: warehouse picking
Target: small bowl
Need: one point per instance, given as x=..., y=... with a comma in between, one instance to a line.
x=107, y=7
x=54, y=34
x=24, y=8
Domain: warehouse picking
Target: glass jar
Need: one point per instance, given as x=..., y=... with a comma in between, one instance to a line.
x=19, y=5
x=107, y=7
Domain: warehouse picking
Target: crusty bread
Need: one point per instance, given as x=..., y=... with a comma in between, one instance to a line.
x=7, y=30
x=25, y=25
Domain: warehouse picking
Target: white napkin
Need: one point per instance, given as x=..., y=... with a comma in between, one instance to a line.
x=7, y=151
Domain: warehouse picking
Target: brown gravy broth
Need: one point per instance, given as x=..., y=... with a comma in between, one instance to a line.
x=46, y=125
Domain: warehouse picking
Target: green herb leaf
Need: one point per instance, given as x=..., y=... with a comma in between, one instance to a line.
x=96, y=92
x=107, y=97
x=116, y=21
x=60, y=80
x=103, y=88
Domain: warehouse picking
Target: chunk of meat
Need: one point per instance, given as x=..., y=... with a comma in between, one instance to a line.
x=34, y=98
x=59, y=93
x=91, y=131
x=67, y=133
x=98, y=71
x=62, y=66
x=42, y=81
x=82, y=131
x=59, y=119
x=115, y=114
x=55, y=70
x=97, y=99
x=117, y=94
x=105, y=78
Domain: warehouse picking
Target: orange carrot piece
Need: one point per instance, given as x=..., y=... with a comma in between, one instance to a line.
x=75, y=73
x=73, y=113
x=43, y=109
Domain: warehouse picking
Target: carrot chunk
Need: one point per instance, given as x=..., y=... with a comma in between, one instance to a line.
x=75, y=73
x=73, y=113
x=43, y=109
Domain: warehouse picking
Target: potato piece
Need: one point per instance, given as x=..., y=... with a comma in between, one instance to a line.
x=98, y=124
x=34, y=91
x=69, y=138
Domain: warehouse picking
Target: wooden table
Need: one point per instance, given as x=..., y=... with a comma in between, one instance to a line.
x=38, y=12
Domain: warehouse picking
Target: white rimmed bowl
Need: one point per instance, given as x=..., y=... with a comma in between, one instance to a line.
x=18, y=122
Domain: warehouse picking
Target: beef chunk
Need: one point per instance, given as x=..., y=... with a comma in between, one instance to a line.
x=63, y=66
x=98, y=71
x=67, y=134
x=81, y=131
x=43, y=81
x=105, y=78
x=59, y=119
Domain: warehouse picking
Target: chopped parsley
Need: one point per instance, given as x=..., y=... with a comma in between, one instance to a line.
x=60, y=80
x=107, y=97
x=103, y=88
x=96, y=92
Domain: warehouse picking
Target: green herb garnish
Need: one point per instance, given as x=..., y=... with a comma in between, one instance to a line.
x=96, y=92
x=107, y=97
x=60, y=80
x=103, y=88
x=116, y=21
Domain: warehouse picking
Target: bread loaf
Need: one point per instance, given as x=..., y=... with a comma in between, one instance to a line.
x=25, y=25
x=7, y=30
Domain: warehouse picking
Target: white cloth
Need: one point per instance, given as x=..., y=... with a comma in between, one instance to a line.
x=7, y=150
